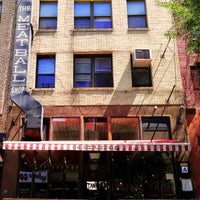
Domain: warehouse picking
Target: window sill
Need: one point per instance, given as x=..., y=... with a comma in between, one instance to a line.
x=93, y=30
x=138, y=29
x=93, y=89
x=50, y=31
x=143, y=88
x=40, y=90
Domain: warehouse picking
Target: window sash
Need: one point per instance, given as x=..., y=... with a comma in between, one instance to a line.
x=48, y=9
x=136, y=8
x=48, y=15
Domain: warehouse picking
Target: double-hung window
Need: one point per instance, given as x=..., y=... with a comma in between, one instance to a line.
x=48, y=15
x=136, y=14
x=93, y=71
x=45, y=77
x=92, y=15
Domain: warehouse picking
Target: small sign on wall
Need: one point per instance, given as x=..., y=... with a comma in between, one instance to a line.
x=184, y=168
x=187, y=185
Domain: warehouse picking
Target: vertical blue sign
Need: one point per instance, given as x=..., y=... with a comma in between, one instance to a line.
x=18, y=92
x=21, y=48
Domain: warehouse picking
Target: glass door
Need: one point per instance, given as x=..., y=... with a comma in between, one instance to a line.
x=96, y=175
x=143, y=175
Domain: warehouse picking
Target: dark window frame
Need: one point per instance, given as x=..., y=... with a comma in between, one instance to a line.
x=139, y=81
x=92, y=74
x=92, y=17
x=156, y=124
x=136, y=16
x=45, y=57
x=195, y=76
x=48, y=18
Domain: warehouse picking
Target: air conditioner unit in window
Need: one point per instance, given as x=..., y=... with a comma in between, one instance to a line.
x=141, y=58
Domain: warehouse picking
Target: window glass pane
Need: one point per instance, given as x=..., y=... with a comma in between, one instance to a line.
x=45, y=82
x=158, y=135
x=66, y=128
x=103, y=80
x=48, y=9
x=135, y=8
x=82, y=23
x=141, y=77
x=137, y=22
x=102, y=9
x=46, y=66
x=102, y=65
x=81, y=9
x=82, y=65
x=102, y=22
x=83, y=81
x=46, y=23
x=156, y=128
x=125, y=128
x=95, y=128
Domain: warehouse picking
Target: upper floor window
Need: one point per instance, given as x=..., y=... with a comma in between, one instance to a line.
x=0, y=9
x=48, y=15
x=93, y=71
x=45, y=77
x=136, y=14
x=195, y=75
x=141, y=77
x=92, y=15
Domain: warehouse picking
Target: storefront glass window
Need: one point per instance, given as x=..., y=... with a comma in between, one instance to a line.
x=65, y=128
x=156, y=128
x=125, y=128
x=95, y=128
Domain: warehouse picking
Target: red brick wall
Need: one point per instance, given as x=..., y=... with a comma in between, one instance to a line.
x=190, y=82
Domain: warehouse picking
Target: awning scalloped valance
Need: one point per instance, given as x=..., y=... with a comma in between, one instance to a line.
x=100, y=145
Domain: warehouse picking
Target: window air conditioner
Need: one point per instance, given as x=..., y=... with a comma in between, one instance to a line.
x=141, y=58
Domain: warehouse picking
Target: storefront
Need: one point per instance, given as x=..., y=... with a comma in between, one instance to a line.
x=102, y=169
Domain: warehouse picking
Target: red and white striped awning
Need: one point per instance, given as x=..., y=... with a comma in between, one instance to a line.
x=100, y=145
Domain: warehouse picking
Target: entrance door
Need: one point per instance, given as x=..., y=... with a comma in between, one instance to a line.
x=96, y=175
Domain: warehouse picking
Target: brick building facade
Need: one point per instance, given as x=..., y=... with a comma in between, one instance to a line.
x=189, y=67
x=110, y=87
